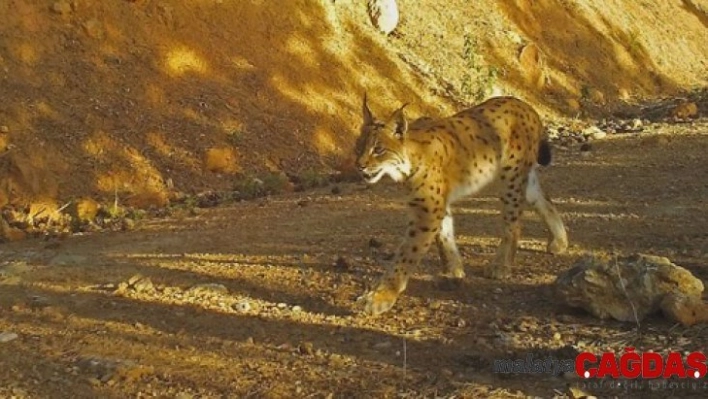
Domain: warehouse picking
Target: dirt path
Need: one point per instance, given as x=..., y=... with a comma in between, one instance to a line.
x=258, y=299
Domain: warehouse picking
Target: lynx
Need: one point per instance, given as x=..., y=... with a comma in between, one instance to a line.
x=441, y=161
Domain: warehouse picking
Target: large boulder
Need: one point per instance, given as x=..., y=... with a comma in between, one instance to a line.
x=383, y=14
x=631, y=287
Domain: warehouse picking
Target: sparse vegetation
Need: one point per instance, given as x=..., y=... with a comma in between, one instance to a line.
x=311, y=178
x=249, y=186
x=634, y=44
x=479, y=79
x=235, y=137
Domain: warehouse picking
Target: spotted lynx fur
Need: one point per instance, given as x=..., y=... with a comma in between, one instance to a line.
x=444, y=160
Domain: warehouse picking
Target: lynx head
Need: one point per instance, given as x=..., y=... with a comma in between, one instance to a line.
x=380, y=149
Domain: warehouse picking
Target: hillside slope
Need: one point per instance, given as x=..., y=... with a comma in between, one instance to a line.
x=140, y=99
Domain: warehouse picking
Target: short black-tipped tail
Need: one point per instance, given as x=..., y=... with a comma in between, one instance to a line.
x=544, y=153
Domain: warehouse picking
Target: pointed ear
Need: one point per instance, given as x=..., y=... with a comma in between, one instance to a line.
x=400, y=122
x=368, y=116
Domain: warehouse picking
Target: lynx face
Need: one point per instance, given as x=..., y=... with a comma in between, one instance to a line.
x=381, y=149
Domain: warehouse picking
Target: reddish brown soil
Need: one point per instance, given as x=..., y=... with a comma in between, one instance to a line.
x=634, y=193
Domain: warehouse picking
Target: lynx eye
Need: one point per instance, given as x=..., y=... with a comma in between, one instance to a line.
x=379, y=150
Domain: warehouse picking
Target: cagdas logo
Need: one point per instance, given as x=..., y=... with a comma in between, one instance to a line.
x=645, y=365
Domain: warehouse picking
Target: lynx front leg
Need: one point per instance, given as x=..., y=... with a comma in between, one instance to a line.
x=449, y=254
x=424, y=226
x=512, y=208
x=500, y=267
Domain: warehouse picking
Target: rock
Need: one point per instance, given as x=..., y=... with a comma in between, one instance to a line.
x=241, y=306
x=531, y=65
x=687, y=310
x=137, y=283
x=573, y=105
x=307, y=348
x=374, y=243
x=148, y=199
x=596, y=96
x=221, y=160
x=107, y=370
x=685, y=110
x=10, y=234
x=594, y=133
x=61, y=7
x=648, y=284
x=4, y=129
x=94, y=29
x=435, y=305
x=383, y=14
x=7, y=336
x=585, y=149
x=84, y=210
x=341, y=264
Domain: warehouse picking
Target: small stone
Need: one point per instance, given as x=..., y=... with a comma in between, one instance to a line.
x=382, y=345
x=307, y=349
x=341, y=264
x=594, y=133
x=84, y=210
x=282, y=305
x=557, y=336
x=297, y=309
x=93, y=381
x=143, y=285
x=435, y=305
x=7, y=336
x=61, y=7
x=242, y=306
x=4, y=129
x=94, y=29
x=127, y=224
x=135, y=278
x=685, y=110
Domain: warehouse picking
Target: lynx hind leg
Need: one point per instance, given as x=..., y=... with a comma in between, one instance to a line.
x=547, y=211
x=447, y=247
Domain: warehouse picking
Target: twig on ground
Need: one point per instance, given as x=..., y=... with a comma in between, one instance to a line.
x=626, y=294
